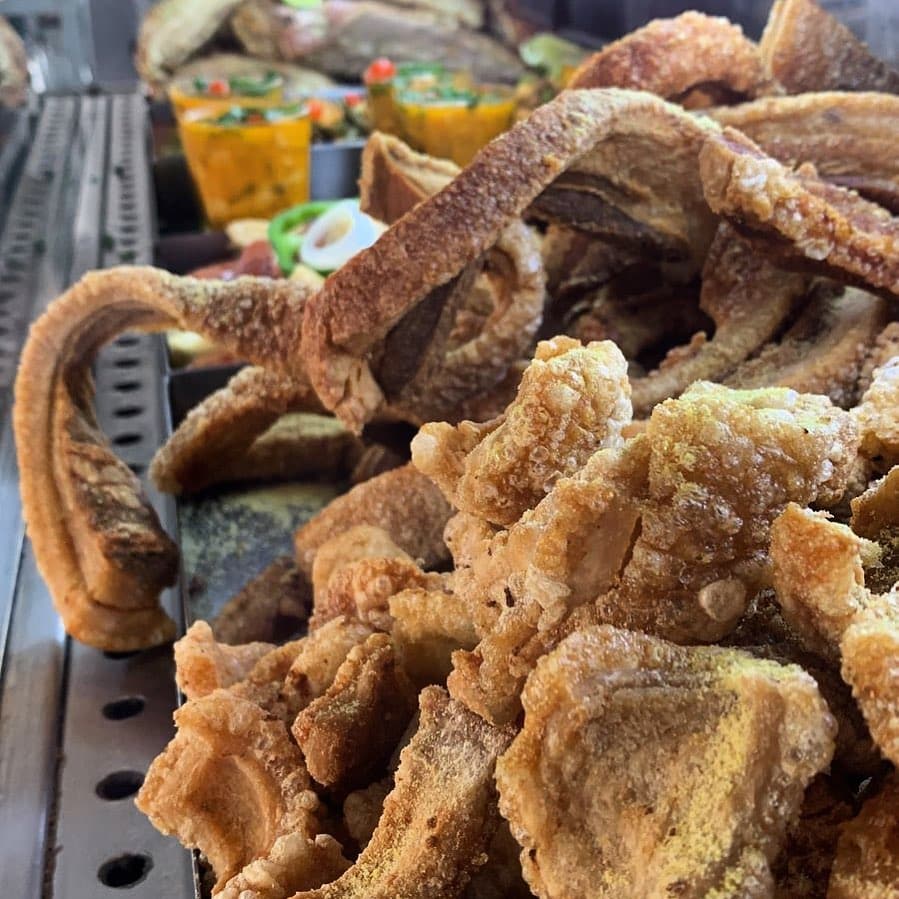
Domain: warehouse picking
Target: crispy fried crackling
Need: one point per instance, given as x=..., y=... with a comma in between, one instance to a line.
x=438, y=820
x=572, y=401
x=97, y=541
x=819, y=579
x=797, y=218
x=230, y=783
x=669, y=57
x=348, y=734
x=430, y=245
x=403, y=502
x=867, y=860
x=647, y=769
x=807, y=49
x=847, y=137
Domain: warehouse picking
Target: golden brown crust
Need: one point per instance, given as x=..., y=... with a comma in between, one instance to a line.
x=217, y=441
x=438, y=819
x=848, y=137
x=572, y=401
x=673, y=770
x=807, y=49
x=394, y=178
x=97, y=541
x=670, y=57
x=402, y=502
x=430, y=245
x=229, y=755
x=348, y=734
x=825, y=348
x=798, y=218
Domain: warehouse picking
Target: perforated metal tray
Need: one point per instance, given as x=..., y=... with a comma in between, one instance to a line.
x=78, y=727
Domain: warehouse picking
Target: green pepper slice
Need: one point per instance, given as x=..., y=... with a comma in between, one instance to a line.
x=282, y=233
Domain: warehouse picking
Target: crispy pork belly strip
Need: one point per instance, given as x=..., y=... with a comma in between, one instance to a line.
x=824, y=351
x=807, y=49
x=877, y=508
x=849, y=138
x=669, y=57
x=218, y=434
x=403, y=502
x=648, y=769
x=798, y=219
x=394, y=178
x=429, y=246
x=748, y=300
x=866, y=865
x=439, y=818
x=492, y=312
x=97, y=541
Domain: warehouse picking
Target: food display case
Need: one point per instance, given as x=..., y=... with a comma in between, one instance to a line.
x=91, y=178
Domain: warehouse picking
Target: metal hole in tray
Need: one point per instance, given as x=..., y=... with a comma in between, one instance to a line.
x=119, y=785
x=124, y=708
x=127, y=386
x=124, y=870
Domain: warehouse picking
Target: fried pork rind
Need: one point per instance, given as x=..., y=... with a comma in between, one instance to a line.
x=559, y=556
x=572, y=401
x=427, y=627
x=867, y=860
x=671, y=57
x=440, y=816
x=649, y=769
x=587, y=133
x=363, y=590
x=824, y=350
x=878, y=420
x=362, y=810
x=819, y=579
x=668, y=535
x=807, y=49
x=748, y=301
x=877, y=509
x=847, y=137
x=402, y=502
x=203, y=664
x=273, y=605
x=348, y=734
x=362, y=541
x=230, y=784
x=249, y=431
x=799, y=220
x=97, y=541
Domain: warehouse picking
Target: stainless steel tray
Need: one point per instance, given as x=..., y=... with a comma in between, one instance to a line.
x=78, y=727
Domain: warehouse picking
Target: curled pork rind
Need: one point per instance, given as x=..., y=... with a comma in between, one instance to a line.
x=807, y=49
x=647, y=769
x=819, y=579
x=573, y=400
x=867, y=860
x=748, y=301
x=96, y=539
x=582, y=134
x=670, y=57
